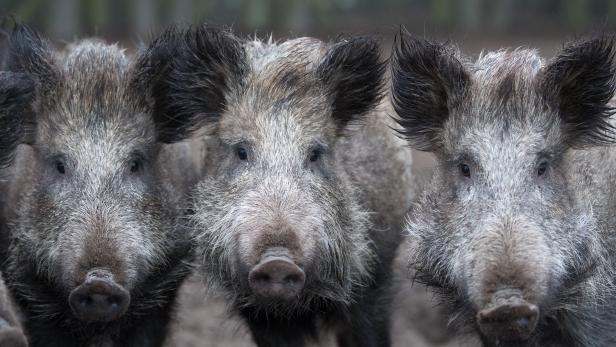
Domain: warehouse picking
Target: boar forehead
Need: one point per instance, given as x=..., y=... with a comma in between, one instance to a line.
x=281, y=97
x=502, y=126
x=503, y=117
x=94, y=107
x=297, y=52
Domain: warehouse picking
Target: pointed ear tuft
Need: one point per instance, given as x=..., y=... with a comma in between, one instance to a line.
x=189, y=75
x=579, y=83
x=428, y=79
x=29, y=53
x=16, y=98
x=353, y=73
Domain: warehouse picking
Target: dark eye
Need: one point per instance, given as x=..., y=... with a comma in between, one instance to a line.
x=135, y=166
x=315, y=155
x=60, y=167
x=241, y=152
x=465, y=170
x=543, y=167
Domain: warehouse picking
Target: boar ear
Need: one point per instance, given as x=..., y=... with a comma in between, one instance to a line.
x=579, y=83
x=29, y=53
x=428, y=79
x=16, y=97
x=353, y=73
x=191, y=74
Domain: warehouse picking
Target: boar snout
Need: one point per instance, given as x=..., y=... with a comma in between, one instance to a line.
x=99, y=298
x=11, y=336
x=276, y=276
x=508, y=316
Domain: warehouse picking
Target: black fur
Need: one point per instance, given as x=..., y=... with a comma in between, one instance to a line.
x=16, y=92
x=580, y=82
x=49, y=320
x=427, y=81
x=353, y=72
x=205, y=62
x=31, y=54
x=367, y=322
x=41, y=293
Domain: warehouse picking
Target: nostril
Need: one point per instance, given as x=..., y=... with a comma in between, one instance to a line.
x=276, y=278
x=522, y=323
x=262, y=277
x=86, y=301
x=114, y=300
x=293, y=278
x=99, y=300
x=514, y=320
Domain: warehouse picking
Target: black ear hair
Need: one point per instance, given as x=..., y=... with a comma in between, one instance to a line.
x=579, y=83
x=427, y=80
x=31, y=54
x=191, y=73
x=16, y=97
x=353, y=73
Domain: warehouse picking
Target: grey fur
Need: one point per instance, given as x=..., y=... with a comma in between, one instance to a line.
x=509, y=223
x=339, y=215
x=92, y=188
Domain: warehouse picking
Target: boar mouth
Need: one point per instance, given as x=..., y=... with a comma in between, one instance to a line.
x=276, y=277
x=99, y=298
x=508, y=316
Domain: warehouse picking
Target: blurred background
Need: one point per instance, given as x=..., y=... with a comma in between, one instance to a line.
x=475, y=25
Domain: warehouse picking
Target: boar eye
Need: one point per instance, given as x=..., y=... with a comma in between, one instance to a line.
x=315, y=154
x=241, y=152
x=542, y=168
x=60, y=167
x=135, y=166
x=465, y=170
